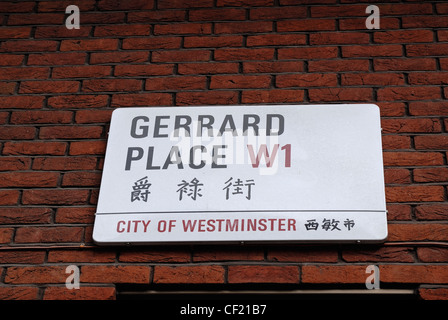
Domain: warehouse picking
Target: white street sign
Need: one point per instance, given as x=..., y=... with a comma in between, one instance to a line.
x=310, y=173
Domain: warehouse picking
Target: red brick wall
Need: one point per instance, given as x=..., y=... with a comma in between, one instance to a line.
x=58, y=88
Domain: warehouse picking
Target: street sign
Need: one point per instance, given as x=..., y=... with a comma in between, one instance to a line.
x=236, y=174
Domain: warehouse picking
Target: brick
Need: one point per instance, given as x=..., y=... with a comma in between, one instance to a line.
x=307, y=53
x=178, y=4
x=263, y=274
x=306, y=25
x=102, y=85
x=9, y=197
x=419, y=125
x=404, y=64
x=81, y=72
x=391, y=50
x=36, y=19
x=240, y=81
x=24, y=216
x=406, y=9
x=28, y=179
x=70, y=132
x=340, y=94
x=17, y=133
x=277, y=13
x=14, y=163
x=34, y=148
x=272, y=66
x=432, y=254
x=207, y=68
x=372, y=79
x=338, y=38
x=189, y=274
x=408, y=93
x=306, y=80
x=118, y=57
x=57, y=58
x=141, y=99
x=302, y=254
x=334, y=274
x=403, y=36
x=55, y=196
x=51, y=6
x=271, y=96
x=6, y=235
x=21, y=102
x=28, y=46
x=431, y=175
x=48, y=86
x=61, y=32
x=11, y=59
x=183, y=29
x=397, y=176
x=143, y=70
x=93, y=116
x=398, y=212
x=164, y=255
x=83, y=293
x=414, y=274
x=436, y=108
x=64, y=163
x=36, y=274
x=103, y=17
x=17, y=6
x=433, y=49
x=230, y=253
x=86, y=255
x=422, y=78
x=276, y=40
x=243, y=54
x=360, y=23
x=15, y=32
x=432, y=211
x=87, y=147
x=40, y=117
x=19, y=292
x=180, y=56
x=433, y=293
x=431, y=142
x=339, y=65
x=7, y=87
x=213, y=42
x=80, y=215
x=175, y=83
x=412, y=159
x=243, y=27
x=123, y=30
x=207, y=98
x=124, y=5
x=414, y=194
x=156, y=16
x=12, y=73
x=385, y=254
x=217, y=14
x=49, y=234
x=244, y=3
x=89, y=45
x=81, y=179
x=115, y=274
x=151, y=43
x=78, y=102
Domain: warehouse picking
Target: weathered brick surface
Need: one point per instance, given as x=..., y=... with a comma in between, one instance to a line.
x=58, y=88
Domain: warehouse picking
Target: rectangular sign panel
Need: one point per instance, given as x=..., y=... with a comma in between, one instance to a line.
x=310, y=173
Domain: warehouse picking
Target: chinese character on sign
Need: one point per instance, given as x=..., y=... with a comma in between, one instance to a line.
x=237, y=186
x=349, y=224
x=311, y=224
x=192, y=189
x=329, y=224
x=141, y=190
